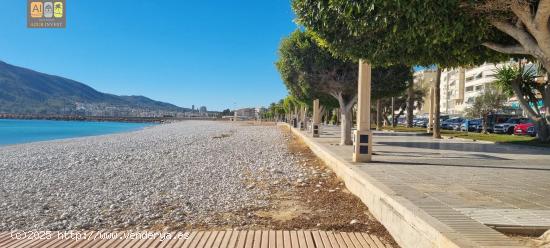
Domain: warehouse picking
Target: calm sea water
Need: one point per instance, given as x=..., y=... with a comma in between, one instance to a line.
x=24, y=131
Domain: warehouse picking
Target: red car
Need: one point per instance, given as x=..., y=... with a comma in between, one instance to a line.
x=523, y=129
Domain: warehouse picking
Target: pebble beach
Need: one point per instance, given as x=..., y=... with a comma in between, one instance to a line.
x=183, y=172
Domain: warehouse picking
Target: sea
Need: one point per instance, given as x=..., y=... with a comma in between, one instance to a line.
x=25, y=131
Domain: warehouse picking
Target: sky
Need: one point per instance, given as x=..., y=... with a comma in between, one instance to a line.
x=219, y=54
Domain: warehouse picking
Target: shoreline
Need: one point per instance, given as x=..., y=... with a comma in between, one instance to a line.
x=140, y=126
x=127, y=119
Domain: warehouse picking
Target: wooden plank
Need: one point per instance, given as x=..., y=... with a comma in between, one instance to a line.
x=225, y=240
x=340, y=240
x=377, y=241
x=369, y=240
x=257, y=239
x=39, y=243
x=309, y=239
x=6, y=237
x=242, y=239
x=294, y=239
x=324, y=237
x=317, y=239
x=347, y=240
x=265, y=240
x=362, y=240
x=354, y=240
x=211, y=239
x=286, y=239
x=196, y=240
x=84, y=242
x=233, y=240
x=332, y=239
x=16, y=242
x=184, y=242
x=272, y=239
x=150, y=241
x=249, y=239
x=25, y=241
x=218, y=240
x=280, y=239
x=164, y=243
x=301, y=239
x=139, y=242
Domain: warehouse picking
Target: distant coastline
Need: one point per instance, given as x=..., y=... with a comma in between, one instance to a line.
x=101, y=118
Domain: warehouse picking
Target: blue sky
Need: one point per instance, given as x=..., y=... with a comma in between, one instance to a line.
x=213, y=53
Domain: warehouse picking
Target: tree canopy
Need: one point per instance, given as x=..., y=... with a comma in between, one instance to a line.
x=414, y=32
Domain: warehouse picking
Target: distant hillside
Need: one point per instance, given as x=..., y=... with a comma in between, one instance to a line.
x=24, y=91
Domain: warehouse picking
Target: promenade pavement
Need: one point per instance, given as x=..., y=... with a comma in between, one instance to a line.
x=467, y=186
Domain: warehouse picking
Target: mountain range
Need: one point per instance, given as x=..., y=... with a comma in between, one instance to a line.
x=24, y=91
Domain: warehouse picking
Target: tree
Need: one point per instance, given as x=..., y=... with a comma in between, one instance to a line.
x=401, y=103
x=409, y=32
x=491, y=101
x=310, y=71
x=523, y=81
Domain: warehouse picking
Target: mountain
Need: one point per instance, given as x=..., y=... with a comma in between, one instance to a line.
x=24, y=91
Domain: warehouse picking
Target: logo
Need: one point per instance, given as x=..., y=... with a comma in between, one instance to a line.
x=36, y=9
x=48, y=9
x=58, y=10
x=46, y=14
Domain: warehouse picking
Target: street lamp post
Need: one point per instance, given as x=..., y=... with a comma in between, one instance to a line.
x=362, y=142
x=316, y=118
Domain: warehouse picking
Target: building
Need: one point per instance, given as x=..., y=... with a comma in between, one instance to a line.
x=424, y=80
x=460, y=86
x=246, y=113
x=203, y=111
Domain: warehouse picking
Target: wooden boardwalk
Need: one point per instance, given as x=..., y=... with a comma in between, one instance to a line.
x=196, y=239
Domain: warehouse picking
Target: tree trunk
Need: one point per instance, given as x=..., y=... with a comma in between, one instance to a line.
x=346, y=106
x=345, y=134
x=437, y=112
x=485, y=124
x=410, y=104
x=378, y=115
x=386, y=118
x=543, y=130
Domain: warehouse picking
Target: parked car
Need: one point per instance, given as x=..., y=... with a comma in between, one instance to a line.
x=452, y=123
x=420, y=122
x=532, y=131
x=472, y=125
x=492, y=120
x=509, y=125
x=523, y=128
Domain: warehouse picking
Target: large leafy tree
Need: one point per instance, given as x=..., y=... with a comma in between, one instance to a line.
x=308, y=69
x=527, y=84
x=413, y=32
x=490, y=101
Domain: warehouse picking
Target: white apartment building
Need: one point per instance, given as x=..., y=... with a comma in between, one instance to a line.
x=460, y=86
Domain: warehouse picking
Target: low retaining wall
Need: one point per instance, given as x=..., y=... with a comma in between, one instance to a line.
x=407, y=223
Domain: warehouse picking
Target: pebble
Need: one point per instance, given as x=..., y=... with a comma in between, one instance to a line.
x=167, y=173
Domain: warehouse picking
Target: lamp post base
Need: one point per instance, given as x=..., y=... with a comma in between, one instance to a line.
x=315, y=130
x=362, y=146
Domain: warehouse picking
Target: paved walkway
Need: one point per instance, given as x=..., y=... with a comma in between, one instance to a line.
x=206, y=239
x=460, y=183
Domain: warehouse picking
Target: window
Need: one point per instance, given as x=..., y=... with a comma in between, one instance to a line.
x=469, y=88
x=480, y=75
x=468, y=79
x=470, y=100
x=479, y=87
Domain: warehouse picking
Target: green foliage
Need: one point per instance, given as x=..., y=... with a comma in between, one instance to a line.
x=412, y=32
x=310, y=71
x=491, y=101
x=526, y=77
